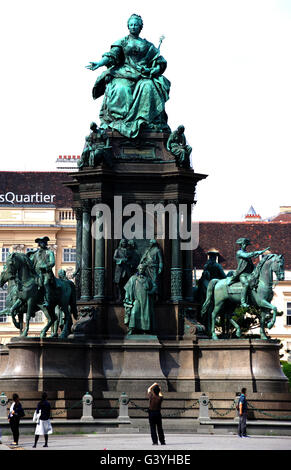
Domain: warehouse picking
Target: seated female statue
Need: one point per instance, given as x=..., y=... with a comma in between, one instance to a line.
x=134, y=88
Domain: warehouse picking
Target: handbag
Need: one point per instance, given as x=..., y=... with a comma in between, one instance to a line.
x=48, y=427
x=36, y=417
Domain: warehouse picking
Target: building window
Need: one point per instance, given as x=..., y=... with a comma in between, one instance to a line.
x=29, y=249
x=69, y=255
x=5, y=253
x=3, y=295
x=288, y=314
x=38, y=317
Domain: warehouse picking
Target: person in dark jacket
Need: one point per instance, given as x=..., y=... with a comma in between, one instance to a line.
x=43, y=427
x=15, y=414
x=155, y=418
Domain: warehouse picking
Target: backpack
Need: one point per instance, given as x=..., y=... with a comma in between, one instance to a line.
x=21, y=413
x=237, y=405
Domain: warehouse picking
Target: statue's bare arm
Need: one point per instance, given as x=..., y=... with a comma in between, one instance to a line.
x=97, y=65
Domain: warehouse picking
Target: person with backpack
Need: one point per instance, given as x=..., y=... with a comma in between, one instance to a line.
x=155, y=418
x=243, y=411
x=16, y=412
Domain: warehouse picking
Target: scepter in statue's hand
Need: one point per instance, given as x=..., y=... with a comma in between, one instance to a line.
x=161, y=40
x=155, y=71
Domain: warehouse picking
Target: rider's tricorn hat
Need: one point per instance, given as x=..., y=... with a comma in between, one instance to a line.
x=42, y=239
x=213, y=250
x=242, y=240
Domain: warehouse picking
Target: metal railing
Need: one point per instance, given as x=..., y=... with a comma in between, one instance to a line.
x=123, y=403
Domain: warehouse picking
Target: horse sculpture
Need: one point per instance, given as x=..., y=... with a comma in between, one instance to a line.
x=11, y=299
x=219, y=294
x=24, y=295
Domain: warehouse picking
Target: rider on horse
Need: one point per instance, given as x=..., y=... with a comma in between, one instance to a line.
x=245, y=268
x=214, y=269
x=211, y=270
x=43, y=260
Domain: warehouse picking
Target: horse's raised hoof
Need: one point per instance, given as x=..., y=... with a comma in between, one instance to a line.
x=270, y=325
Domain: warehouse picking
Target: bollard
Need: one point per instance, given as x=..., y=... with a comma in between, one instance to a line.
x=3, y=407
x=87, y=407
x=203, y=408
x=123, y=407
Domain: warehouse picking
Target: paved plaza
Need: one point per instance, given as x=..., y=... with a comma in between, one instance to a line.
x=174, y=442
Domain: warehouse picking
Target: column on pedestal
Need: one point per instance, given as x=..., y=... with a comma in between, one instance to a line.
x=176, y=266
x=78, y=270
x=86, y=266
x=99, y=260
x=187, y=259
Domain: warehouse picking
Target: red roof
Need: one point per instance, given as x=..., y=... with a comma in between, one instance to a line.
x=31, y=182
x=283, y=217
x=223, y=236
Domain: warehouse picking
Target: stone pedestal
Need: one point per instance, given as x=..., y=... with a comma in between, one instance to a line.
x=3, y=358
x=229, y=365
x=141, y=364
x=132, y=364
x=179, y=361
x=51, y=364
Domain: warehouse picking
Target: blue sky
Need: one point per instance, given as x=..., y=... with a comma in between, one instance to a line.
x=229, y=65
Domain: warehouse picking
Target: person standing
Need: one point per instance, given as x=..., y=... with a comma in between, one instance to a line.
x=155, y=418
x=43, y=426
x=243, y=411
x=16, y=412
